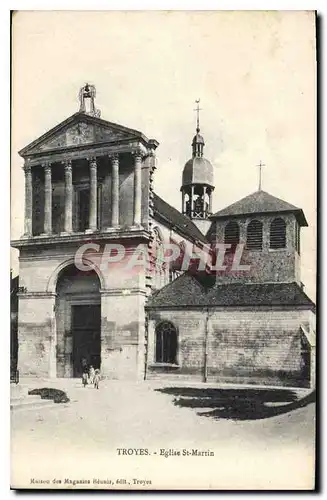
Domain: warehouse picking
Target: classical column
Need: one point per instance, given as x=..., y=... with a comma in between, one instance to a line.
x=137, y=188
x=28, y=201
x=47, y=199
x=93, y=195
x=68, y=196
x=115, y=190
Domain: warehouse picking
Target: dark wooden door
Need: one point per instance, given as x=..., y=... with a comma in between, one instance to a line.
x=86, y=329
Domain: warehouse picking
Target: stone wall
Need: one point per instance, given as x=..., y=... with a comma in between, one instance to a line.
x=36, y=335
x=249, y=345
x=122, y=334
x=266, y=265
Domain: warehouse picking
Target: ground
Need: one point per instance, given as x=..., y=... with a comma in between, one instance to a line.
x=255, y=441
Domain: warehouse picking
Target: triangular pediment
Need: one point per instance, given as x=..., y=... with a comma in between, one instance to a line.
x=79, y=130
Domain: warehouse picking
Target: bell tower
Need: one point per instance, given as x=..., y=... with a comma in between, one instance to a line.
x=197, y=182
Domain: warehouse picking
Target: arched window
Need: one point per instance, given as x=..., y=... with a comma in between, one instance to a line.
x=254, y=235
x=278, y=233
x=232, y=235
x=166, y=343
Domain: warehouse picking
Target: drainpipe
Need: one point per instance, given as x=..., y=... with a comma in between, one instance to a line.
x=206, y=334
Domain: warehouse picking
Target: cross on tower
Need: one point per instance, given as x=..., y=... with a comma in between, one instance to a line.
x=260, y=173
x=197, y=109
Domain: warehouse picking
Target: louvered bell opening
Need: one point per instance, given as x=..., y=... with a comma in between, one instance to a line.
x=254, y=236
x=232, y=236
x=278, y=234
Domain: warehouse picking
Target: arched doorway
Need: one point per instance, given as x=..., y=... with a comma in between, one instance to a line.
x=78, y=321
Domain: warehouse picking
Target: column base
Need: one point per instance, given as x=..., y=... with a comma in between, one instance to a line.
x=136, y=227
x=66, y=233
x=112, y=229
x=90, y=230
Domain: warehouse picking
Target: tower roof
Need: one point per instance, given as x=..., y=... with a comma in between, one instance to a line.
x=260, y=202
x=198, y=170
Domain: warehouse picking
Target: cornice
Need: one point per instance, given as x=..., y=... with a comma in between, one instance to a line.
x=131, y=232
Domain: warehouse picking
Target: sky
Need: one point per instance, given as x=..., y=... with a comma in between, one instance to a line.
x=255, y=73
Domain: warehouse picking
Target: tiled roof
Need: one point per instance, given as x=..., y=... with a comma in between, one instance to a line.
x=188, y=291
x=258, y=203
x=176, y=219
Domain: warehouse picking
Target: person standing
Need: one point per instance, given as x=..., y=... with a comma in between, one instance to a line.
x=96, y=379
x=91, y=374
x=85, y=371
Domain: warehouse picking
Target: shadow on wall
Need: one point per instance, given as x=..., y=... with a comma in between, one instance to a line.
x=238, y=404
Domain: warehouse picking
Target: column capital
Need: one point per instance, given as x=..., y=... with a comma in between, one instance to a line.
x=27, y=168
x=151, y=152
x=92, y=160
x=113, y=156
x=67, y=164
x=47, y=167
x=138, y=153
x=46, y=164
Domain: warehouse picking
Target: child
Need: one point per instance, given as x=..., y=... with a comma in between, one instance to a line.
x=91, y=374
x=85, y=375
x=96, y=379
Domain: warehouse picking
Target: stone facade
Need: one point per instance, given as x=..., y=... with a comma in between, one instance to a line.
x=237, y=345
x=41, y=327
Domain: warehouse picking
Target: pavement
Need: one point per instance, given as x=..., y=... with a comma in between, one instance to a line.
x=245, y=437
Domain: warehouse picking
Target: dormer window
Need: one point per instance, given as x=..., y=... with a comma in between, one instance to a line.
x=278, y=234
x=254, y=235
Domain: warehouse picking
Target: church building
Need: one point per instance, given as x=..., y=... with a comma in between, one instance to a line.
x=89, y=187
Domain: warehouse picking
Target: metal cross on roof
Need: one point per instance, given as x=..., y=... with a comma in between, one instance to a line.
x=197, y=109
x=260, y=173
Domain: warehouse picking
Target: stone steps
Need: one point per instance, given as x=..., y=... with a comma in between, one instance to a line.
x=30, y=402
x=21, y=400
x=165, y=377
